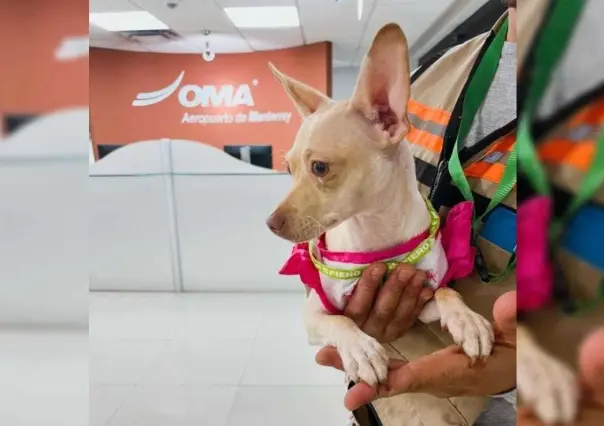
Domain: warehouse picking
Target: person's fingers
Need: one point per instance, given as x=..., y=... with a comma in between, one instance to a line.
x=591, y=364
x=411, y=303
x=360, y=303
x=425, y=294
x=388, y=300
x=505, y=315
x=328, y=357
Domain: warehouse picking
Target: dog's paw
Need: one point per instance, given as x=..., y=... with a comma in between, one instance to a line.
x=469, y=330
x=546, y=385
x=364, y=358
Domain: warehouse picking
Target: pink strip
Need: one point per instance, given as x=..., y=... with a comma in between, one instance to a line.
x=370, y=257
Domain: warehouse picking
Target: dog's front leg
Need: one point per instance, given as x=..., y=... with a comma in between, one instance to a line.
x=469, y=330
x=363, y=357
x=545, y=383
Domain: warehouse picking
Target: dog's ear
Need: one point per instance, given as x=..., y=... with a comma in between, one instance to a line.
x=382, y=90
x=306, y=99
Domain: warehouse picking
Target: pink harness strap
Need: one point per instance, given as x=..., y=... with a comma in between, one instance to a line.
x=366, y=258
x=455, y=238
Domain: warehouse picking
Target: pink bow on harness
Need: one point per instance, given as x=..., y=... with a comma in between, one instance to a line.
x=455, y=237
x=300, y=263
x=533, y=271
x=456, y=240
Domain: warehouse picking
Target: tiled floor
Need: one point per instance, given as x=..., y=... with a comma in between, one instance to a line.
x=206, y=360
x=43, y=377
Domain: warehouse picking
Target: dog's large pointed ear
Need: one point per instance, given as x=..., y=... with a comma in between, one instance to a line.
x=382, y=89
x=306, y=99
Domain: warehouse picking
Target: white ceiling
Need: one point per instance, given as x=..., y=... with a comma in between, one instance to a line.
x=321, y=20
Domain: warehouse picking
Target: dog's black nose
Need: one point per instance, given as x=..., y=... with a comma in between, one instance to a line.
x=275, y=222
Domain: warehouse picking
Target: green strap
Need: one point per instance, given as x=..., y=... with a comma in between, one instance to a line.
x=557, y=31
x=477, y=91
x=556, y=34
x=478, y=88
x=555, y=37
x=508, y=180
x=527, y=154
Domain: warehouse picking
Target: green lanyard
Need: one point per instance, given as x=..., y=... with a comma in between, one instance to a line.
x=478, y=88
x=549, y=49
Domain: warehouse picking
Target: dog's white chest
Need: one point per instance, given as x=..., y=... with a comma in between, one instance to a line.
x=339, y=291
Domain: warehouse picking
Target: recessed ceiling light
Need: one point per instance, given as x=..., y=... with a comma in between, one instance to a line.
x=264, y=17
x=126, y=21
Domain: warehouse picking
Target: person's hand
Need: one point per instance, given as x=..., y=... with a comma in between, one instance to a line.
x=386, y=313
x=591, y=371
x=446, y=373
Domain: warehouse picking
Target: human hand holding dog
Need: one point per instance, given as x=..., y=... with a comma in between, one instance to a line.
x=591, y=371
x=446, y=373
x=386, y=313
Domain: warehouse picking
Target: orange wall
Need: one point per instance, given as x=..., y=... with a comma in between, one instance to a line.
x=116, y=77
x=32, y=81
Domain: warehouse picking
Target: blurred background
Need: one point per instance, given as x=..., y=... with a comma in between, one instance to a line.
x=143, y=169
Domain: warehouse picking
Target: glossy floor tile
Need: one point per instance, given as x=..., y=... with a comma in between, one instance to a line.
x=207, y=359
x=43, y=377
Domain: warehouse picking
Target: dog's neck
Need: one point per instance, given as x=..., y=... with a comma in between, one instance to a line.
x=400, y=212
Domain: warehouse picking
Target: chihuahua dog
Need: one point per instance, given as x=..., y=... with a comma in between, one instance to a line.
x=355, y=190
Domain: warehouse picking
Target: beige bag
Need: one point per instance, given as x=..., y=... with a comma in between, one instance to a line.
x=434, y=96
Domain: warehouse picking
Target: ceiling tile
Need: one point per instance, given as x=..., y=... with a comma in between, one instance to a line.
x=219, y=43
x=189, y=15
x=95, y=31
x=176, y=46
x=268, y=39
x=106, y=35
x=96, y=6
x=321, y=20
x=333, y=21
x=344, y=53
x=414, y=17
x=248, y=3
x=121, y=45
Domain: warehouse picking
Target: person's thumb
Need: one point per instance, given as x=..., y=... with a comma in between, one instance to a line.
x=430, y=373
x=398, y=381
x=359, y=395
x=591, y=364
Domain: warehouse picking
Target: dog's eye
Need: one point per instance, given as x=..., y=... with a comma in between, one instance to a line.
x=288, y=169
x=319, y=168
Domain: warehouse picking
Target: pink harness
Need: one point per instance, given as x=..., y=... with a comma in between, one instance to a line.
x=455, y=237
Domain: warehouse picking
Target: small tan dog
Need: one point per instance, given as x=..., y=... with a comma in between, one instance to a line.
x=354, y=181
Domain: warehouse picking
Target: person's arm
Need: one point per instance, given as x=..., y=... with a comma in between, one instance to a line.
x=447, y=372
x=591, y=370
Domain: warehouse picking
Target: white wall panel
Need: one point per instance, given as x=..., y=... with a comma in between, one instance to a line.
x=43, y=194
x=129, y=234
x=224, y=242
